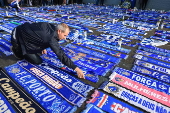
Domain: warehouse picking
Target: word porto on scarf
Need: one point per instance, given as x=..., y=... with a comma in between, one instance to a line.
x=156, y=56
x=69, y=80
x=90, y=108
x=151, y=88
x=151, y=73
x=63, y=90
x=45, y=96
x=5, y=106
x=19, y=100
x=153, y=61
x=89, y=75
x=134, y=98
x=152, y=66
x=111, y=104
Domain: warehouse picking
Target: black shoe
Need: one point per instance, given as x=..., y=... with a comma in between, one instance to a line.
x=16, y=53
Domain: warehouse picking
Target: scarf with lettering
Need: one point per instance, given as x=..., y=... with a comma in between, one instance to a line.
x=58, y=86
x=101, y=49
x=152, y=66
x=90, y=108
x=89, y=75
x=156, y=56
x=100, y=67
x=94, y=53
x=142, y=85
x=135, y=99
x=69, y=80
x=46, y=97
x=153, y=61
x=124, y=50
x=151, y=73
x=154, y=51
x=110, y=104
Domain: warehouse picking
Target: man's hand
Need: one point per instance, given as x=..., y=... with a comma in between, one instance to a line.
x=44, y=51
x=79, y=73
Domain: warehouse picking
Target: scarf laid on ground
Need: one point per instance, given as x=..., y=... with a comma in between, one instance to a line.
x=153, y=61
x=151, y=73
x=152, y=66
x=153, y=55
x=69, y=80
x=94, y=53
x=6, y=107
x=142, y=85
x=111, y=104
x=61, y=88
x=134, y=98
x=46, y=97
x=101, y=49
x=89, y=75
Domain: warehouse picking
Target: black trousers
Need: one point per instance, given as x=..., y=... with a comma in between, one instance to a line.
x=32, y=58
x=142, y=4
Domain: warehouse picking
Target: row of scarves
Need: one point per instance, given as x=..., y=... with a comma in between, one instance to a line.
x=53, y=91
x=5, y=47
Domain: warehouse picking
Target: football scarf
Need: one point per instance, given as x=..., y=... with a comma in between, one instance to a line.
x=110, y=46
x=19, y=100
x=111, y=52
x=152, y=66
x=90, y=108
x=46, y=97
x=61, y=88
x=153, y=61
x=153, y=55
x=89, y=75
x=151, y=73
x=153, y=51
x=5, y=105
x=142, y=85
x=94, y=53
x=111, y=104
x=69, y=80
x=134, y=98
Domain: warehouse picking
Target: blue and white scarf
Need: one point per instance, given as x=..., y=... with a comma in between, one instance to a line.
x=153, y=51
x=153, y=61
x=111, y=52
x=152, y=66
x=151, y=73
x=146, y=81
x=89, y=75
x=134, y=98
x=61, y=88
x=111, y=104
x=69, y=80
x=95, y=53
x=153, y=55
x=46, y=97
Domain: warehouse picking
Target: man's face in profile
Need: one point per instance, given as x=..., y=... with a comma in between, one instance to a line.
x=63, y=35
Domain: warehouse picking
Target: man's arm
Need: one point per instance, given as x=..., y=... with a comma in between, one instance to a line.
x=64, y=59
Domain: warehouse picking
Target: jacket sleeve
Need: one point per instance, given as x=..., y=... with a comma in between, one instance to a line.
x=54, y=45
